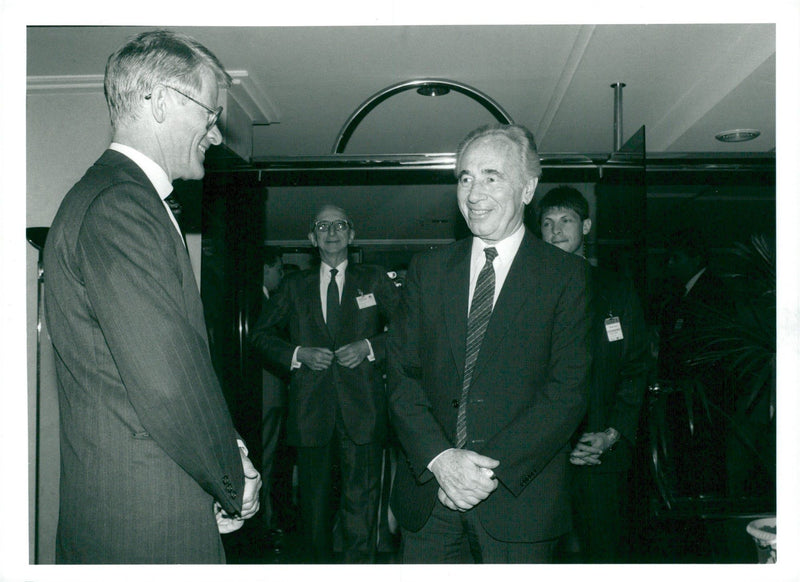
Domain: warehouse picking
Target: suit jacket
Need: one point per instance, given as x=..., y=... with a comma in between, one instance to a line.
x=618, y=379
x=147, y=444
x=527, y=394
x=315, y=396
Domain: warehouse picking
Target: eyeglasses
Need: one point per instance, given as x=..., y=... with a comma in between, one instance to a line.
x=214, y=113
x=338, y=225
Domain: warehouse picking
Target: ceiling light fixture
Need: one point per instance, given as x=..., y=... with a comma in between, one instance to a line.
x=736, y=135
x=433, y=90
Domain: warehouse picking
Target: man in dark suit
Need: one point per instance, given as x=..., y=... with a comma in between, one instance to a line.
x=603, y=451
x=150, y=467
x=485, y=422
x=697, y=299
x=276, y=489
x=336, y=316
x=695, y=295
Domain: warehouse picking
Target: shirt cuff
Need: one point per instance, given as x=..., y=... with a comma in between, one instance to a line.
x=295, y=363
x=242, y=446
x=436, y=457
x=371, y=355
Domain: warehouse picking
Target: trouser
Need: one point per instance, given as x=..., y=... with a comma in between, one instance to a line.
x=360, y=469
x=456, y=537
x=273, y=473
x=599, y=513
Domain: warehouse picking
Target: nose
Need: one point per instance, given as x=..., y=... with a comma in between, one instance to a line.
x=475, y=192
x=215, y=135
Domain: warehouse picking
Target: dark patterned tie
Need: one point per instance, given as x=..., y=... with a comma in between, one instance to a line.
x=333, y=307
x=175, y=207
x=479, y=314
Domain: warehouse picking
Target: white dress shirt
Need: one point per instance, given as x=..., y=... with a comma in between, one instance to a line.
x=324, y=281
x=506, y=251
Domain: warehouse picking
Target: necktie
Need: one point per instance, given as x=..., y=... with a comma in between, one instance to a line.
x=175, y=207
x=479, y=314
x=333, y=307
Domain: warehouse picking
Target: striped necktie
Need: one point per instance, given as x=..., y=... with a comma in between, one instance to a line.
x=478, y=320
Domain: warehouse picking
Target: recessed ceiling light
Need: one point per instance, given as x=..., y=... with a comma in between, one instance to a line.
x=735, y=135
x=433, y=90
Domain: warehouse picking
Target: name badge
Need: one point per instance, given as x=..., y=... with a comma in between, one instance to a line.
x=613, y=329
x=365, y=301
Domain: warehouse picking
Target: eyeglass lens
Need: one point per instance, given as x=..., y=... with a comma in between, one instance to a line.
x=338, y=225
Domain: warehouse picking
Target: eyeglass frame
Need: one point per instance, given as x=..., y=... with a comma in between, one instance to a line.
x=215, y=113
x=332, y=223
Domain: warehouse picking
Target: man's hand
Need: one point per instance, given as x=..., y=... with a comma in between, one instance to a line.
x=465, y=478
x=226, y=523
x=589, y=448
x=315, y=358
x=352, y=354
x=252, y=485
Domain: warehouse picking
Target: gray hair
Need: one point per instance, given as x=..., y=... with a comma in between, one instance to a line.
x=518, y=134
x=153, y=58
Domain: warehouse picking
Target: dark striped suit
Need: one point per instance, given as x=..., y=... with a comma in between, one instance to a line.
x=147, y=442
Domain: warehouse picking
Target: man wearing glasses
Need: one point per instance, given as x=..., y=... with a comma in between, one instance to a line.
x=336, y=316
x=152, y=470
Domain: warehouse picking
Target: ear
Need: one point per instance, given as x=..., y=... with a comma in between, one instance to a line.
x=312, y=237
x=587, y=226
x=351, y=234
x=530, y=188
x=158, y=103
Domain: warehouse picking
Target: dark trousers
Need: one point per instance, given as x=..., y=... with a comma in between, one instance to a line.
x=360, y=470
x=455, y=537
x=599, y=512
x=275, y=474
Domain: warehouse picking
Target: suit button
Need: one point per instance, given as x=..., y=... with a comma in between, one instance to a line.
x=455, y=403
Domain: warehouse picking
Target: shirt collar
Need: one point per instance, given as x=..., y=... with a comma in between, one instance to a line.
x=325, y=268
x=155, y=173
x=506, y=248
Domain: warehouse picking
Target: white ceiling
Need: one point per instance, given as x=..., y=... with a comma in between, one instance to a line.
x=684, y=82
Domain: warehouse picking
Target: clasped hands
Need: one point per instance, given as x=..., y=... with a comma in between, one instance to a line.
x=589, y=448
x=227, y=523
x=320, y=359
x=465, y=478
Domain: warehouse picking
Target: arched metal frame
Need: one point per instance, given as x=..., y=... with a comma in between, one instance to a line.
x=363, y=110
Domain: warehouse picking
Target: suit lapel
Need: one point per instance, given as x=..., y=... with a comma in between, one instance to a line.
x=349, y=305
x=514, y=294
x=312, y=292
x=455, y=299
